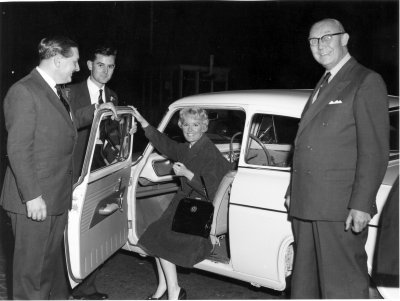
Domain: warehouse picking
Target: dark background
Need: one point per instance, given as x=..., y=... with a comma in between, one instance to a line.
x=263, y=43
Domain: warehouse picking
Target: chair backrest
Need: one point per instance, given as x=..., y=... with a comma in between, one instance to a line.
x=221, y=200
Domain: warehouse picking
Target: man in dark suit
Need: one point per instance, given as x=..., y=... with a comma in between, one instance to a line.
x=38, y=182
x=92, y=92
x=340, y=158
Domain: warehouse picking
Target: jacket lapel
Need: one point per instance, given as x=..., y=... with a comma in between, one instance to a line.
x=192, y=153
x=53, y=98
x=338, y=83
x=85, y=96
x=109, y=97
x=309, y=101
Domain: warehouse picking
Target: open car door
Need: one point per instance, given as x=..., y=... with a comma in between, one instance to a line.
x=97, y=223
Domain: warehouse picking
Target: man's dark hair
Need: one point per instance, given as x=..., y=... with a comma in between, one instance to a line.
x=103, y=50
x=49, y=47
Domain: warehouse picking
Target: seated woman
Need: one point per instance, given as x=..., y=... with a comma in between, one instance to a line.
x=196, y=158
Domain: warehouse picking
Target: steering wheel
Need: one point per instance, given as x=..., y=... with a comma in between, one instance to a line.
x=110, y=150
x=232, y=156
x=265, y=132
x=267, y=154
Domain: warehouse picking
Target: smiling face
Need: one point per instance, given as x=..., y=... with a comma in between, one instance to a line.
x=66, y=66
x=329, y=53
x=193, y=128
x=101, y=69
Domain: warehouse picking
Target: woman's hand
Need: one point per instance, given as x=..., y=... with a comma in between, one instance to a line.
x=140, y=118
x=182, y=171
x=133, y=129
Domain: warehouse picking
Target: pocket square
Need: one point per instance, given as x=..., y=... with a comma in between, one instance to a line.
x=335, y=102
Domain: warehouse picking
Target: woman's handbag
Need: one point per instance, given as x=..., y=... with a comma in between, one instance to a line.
x=194, y=216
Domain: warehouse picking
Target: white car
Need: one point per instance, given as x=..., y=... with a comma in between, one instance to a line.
x=251, y=233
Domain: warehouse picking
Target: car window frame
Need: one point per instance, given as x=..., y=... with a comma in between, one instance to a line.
x=246, y=140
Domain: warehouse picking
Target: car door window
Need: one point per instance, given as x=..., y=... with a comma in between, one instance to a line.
x=112, y=142
x=270, y=140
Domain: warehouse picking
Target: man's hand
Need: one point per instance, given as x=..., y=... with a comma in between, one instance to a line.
x=357, y=220
x=36, y=209
x=110, y=106
x=287, y=202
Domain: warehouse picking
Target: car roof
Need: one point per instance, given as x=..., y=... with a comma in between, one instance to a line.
x=276, y=100
x=289, y=102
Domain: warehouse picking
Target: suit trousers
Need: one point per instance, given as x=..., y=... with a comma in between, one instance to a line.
x=38, y=266
x=330, y=263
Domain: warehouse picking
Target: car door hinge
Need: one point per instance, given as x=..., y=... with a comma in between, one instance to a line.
x=129, y=224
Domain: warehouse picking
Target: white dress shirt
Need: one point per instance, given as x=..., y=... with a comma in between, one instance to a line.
x=94, y=91
x=48, y=79
x=338, y=66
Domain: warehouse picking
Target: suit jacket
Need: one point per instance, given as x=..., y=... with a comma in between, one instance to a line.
x=41, y=140
x=80, y=99
x=342, y=147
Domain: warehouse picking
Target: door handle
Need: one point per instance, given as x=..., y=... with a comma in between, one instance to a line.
x=117, y=187
x=120, y=201
x=113, y=206
x=108, y=209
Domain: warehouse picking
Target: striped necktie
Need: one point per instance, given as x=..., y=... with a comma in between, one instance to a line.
x=60, y=95
x=322, y=86
x=100, y=100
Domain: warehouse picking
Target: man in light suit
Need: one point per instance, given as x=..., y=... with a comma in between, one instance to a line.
x=92, y=92
x=340, y=158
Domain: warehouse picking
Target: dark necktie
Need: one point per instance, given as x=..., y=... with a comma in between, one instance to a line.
x=323, y=85
x=100, y=97
x=60, y=95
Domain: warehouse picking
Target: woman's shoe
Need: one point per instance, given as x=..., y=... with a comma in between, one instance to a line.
x=182, y=294
x=154, y=298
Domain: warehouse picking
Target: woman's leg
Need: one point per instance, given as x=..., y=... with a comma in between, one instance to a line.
x=162, y=285
x=172, y=279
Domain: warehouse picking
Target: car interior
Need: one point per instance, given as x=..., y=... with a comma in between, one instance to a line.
x=111, y=142
x=271, y=139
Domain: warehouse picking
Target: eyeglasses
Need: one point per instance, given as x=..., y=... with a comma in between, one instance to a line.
x=325, y=38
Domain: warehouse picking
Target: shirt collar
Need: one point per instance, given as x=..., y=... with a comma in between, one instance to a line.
x=94, y=91
x=338, y=66
x=47, y=78
x=92, y=86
